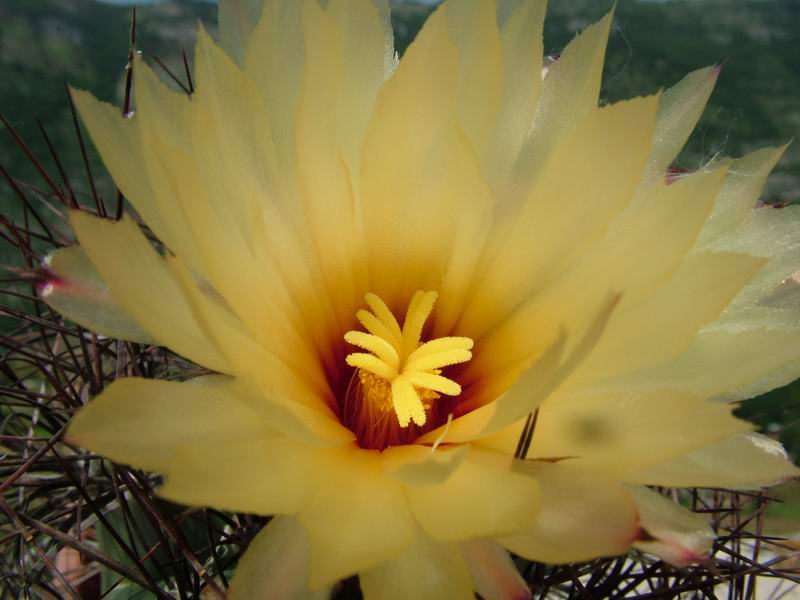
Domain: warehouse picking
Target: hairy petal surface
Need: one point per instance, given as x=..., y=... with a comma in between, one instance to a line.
x=275, y=565
x=427, y=569
x=484, y=497
x=583, y=515
x=357, y=520
x=144, y=422
x=77, y=291
x=495, y=574
x=670, y=531
x=125, y=258
x=742, y=461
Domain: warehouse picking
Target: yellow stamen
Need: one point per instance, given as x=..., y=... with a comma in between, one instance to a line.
x=401, y=371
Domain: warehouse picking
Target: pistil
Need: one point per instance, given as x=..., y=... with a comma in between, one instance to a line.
x=399, y=373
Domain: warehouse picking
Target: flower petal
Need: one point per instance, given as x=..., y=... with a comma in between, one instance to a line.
x=570, y=91
x=743, y=461
x=274, y=59
x=119, y=143
x=357, y=520
x=698, y=293
x=415, y=150
x=286, y=397
x=252, y=475
x=637, y=256
x=275, y=565
x=142, y=422
x=482, y=498
x=421, y=465
x=495, y=575
x=166, y=112
x=743, y=185
x=125, y=259
x=583, y=515
x=521, y=26
x=765, y=357
x=549, y=230
x=526, y=391
x=79, y=293
x=669, y=531
x=618, y=433
x=231, y=140
x=239, y=208
x=473, y=29
x=427, y=569
x=680, y=109
x=345, y=65
x=237, y=19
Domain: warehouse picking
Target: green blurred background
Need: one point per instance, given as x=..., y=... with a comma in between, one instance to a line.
x=47, y=43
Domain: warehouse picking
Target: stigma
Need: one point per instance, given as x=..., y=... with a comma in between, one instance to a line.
x=399, y=373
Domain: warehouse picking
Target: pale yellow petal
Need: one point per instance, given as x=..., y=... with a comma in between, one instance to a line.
x=587, y=179
x=637, y=257
x=162, y=110
x=495, y=575
x=143, y=422
x=473, y=29
x=237, y=19
x=521, y=398
x=79, y=293
x=426, y=569
x=300, y=380
x=118, y=141
x=583, y=515
x=306, y=419
x=657, y=330
x=569, y=92
x=234, y=259
x=746, y=178
x=237, y=200
x=142, y=284
x=358, y=520
x=670, y=531
x=231, y=140
x=764, y=357
x=261, y=475
x=293, y=400
x=769, y=233
x=367, y=54
x=274, y=59
x=680, y=109
x=255, y=254
x=521, y=25
x=618, y=433
x=159, y=107
x=422, y=465
x=275, y=565
x=483, y=497
x=345, y=45
x=524, y=388
x=415, y=151
x=743, y=461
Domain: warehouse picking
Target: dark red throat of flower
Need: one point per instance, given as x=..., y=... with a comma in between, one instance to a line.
x=397, y=391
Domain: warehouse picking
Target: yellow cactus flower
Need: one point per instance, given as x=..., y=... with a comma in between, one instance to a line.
x=454, y=307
